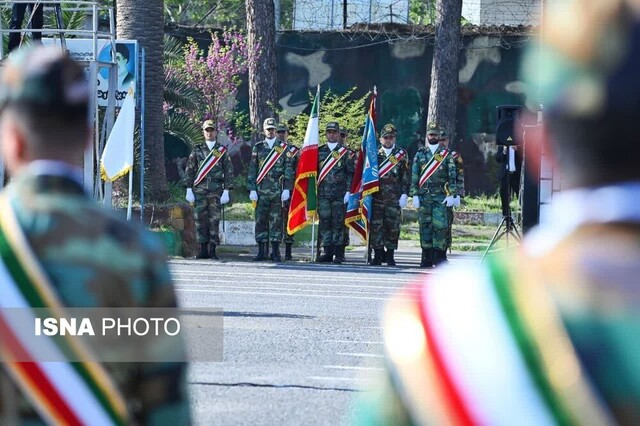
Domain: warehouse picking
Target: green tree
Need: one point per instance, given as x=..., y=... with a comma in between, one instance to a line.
x=347, y=110
x=422, y=12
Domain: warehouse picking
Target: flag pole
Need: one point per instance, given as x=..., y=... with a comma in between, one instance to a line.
x=313, y=234
x=130, y=194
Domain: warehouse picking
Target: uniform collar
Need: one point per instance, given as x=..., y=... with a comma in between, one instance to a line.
x=575, y=208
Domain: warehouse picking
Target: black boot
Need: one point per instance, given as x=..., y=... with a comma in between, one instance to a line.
x=212, y=252
x=327, y=257
x=339, y=255
x=439, y=257
x=389, y=257
x=378, y=256
x=204, y=253
x=287, y=251
x=261, y=252
x=275, y=252
x=427, y=258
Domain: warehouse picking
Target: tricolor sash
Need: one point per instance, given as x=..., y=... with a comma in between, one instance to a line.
x=214, y=156
x=273, y=157
x=432, y=165
x=329, y=162
x=390, y=162
x=521, y=350
x=69, y=393
x=293, y=151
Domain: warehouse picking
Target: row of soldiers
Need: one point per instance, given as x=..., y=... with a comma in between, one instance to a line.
x=435, y=181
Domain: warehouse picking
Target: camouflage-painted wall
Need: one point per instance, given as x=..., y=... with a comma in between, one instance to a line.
x=401, y=70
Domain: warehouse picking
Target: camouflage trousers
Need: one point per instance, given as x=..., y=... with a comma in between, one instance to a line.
x=330, y=228
x=346, y=231
x=206, y=215
x=288, y=238
x=449, y=227
x=433, y=220
x=385, y=225
x=269, y=219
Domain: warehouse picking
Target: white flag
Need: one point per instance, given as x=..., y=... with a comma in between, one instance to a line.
x=117, y=157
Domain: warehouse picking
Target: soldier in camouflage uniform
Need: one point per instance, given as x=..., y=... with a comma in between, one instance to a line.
x=269, y=180
x=208, y=189
x=433, y=174
x=388, y=202
x=335, y=172
x=89, y=255
x=457, y=159
x=340, y=256
x=292, y=154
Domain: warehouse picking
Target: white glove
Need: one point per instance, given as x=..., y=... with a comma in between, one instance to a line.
x=403, y=201
x=456, y=201
x=190, y=197
x=416, y=202
x=347, y=195
x=224, y=198
x=253, y=196
x=285, y=195
x=448, y=201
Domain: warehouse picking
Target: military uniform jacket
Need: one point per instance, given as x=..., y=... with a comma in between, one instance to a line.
x=218, y=178
x=443, y=180
x=397, y=181
x=280, y=176
x=293, y=154
x=457, y=159
x=94, y=259
x=338, y=180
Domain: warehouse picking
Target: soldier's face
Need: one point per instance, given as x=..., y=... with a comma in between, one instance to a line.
x=332, y=135
x=444, y=142
x=432, y=139
x=283, y=135
x=270, y=133
x=388, y=141
x=210, y=134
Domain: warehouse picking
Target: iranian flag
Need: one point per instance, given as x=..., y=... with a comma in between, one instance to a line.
x=302, y=209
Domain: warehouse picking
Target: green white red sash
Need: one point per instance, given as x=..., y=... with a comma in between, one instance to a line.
x=78, y=393
x=390, y=162
x=274, y=155
x=432, y=165
x=329, y=162
x=214, y=156
x=499, y=354
x=293, y=151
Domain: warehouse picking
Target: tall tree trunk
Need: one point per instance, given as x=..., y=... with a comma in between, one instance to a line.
x=443, y=95
x=262, y=73
x=143, y=20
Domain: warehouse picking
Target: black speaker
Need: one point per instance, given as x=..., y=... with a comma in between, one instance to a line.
x=505, y=130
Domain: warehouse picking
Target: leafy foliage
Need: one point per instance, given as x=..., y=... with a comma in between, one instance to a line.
x=347, y=110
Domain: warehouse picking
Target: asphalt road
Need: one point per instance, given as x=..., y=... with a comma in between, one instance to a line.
x=300, y=340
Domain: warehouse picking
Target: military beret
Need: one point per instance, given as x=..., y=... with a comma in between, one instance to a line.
x=388, y=129
x=269, y=123
x=208, y=124
x=46, y=78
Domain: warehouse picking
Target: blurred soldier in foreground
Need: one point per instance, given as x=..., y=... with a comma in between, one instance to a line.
x=208, y=180
x=335, y=171
x=457, y=159
x=388, y=202
x=549, y=333
x=269, y=180
x=76, y=254
x=433, y=183
x=292, y=154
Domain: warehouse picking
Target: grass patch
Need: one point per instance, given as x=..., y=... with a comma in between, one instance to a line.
x=484, y=203
x=465, y=237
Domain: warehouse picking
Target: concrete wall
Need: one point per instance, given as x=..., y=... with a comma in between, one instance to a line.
x=502, y=12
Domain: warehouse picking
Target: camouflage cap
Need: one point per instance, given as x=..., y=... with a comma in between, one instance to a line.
x=443, y=134
x=343, y=131
x=208, y=124
x=45, y=78
x=433, y=129
x=269, y=123
x=589, y=66
x=388, y=129
x=333, y=125
x=281, y=127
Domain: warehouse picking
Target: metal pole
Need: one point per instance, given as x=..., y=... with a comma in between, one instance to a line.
x=130, y=194
x=313, y=242
x=344, y=15
x=142, y=126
